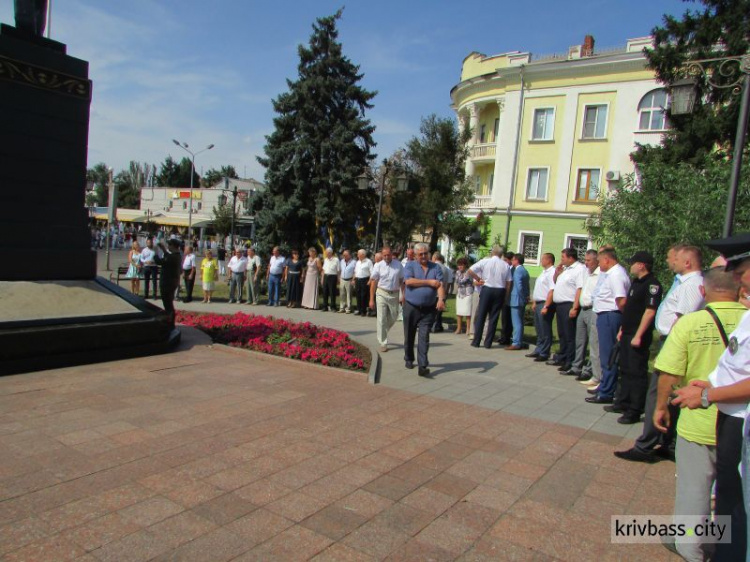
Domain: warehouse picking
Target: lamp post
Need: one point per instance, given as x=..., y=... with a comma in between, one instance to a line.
x=186, y=148
x=363, y=183
x=223, y=201
x=684, y=94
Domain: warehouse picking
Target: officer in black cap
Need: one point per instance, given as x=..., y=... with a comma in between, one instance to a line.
x=636, y=335
x=729, y=388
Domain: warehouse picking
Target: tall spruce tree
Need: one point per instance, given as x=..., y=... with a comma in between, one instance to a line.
x=320, y=144
x=717, y=29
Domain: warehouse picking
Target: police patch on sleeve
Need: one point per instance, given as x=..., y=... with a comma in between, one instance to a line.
x=733, y=345
x=653, y=289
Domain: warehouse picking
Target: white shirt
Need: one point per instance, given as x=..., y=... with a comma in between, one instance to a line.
x=734, y=367
x=587, y=294
x=544, y=283
x=363, y=269
x=571, y=278
x=147, y=256
x=388, y=275
x=237, y=265
x=612, y=285
x=682, y=299
x=188, y=262
x=254, y=261
x=331, y=266
x=494, y=271
x=276, y=265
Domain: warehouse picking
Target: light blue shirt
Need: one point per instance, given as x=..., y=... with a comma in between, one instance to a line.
x=519, y=294
x=347, y=270
x=422, y=296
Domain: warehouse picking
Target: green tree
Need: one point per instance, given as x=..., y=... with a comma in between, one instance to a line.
x=177, y=174
x=321, y=142
x=223, y=219
x=437, y=161
x=670, y=204
x=129, y=183
x=213, y=176
x=719, y=28
x=99, y=176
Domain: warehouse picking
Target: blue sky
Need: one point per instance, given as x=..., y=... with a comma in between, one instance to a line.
x=206, y=72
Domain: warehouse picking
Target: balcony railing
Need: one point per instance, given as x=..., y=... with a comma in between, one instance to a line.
x=485, y=150
x=481, y=202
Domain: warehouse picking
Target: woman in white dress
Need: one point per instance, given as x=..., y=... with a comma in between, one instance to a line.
x=311, y=276
x=464, y=290
x=134, y=268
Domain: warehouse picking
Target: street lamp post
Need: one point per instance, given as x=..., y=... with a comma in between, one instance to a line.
x=683, y=100
x=363, y=183
x=186, y=148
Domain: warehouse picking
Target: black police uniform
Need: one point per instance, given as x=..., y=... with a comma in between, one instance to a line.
x=645, y=293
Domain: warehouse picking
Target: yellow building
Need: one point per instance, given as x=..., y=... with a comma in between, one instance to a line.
x=550, y=134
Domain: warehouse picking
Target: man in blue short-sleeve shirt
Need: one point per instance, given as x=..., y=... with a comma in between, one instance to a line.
x=424, y=295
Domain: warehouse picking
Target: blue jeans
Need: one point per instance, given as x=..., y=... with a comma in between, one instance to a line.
x=516, y=316
x=274, y=286
x=607, y=326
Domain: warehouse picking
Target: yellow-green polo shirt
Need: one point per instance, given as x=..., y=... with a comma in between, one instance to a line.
x=692, y=351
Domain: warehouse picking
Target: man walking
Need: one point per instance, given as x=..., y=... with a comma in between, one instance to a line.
x=519, y=296
x=346, y=281
x=609, y=300
x=587, y=371
x=188, y=273
x=385, y=286
x=493, y=274
x=253, y=276
x=362, y=271
x=543, y=309
x=569, y=278
x=636, y=336
x=273, y=276
x=330, y=280
x=423, y=296
x=237, y=268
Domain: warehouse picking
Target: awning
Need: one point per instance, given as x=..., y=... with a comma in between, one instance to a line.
x=123, y=215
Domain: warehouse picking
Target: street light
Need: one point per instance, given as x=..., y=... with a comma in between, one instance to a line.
x=186, y=148
x=363, y=183
x=684, y=95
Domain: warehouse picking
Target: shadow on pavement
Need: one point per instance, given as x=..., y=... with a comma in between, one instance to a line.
x=480, y=366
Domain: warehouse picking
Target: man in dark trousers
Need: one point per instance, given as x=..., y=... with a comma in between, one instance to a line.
x=636, y=336
x=424, y=295
x=493, y=274
x=170, y=261
x=506, y=318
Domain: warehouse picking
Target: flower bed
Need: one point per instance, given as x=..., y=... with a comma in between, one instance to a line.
x=296, y=340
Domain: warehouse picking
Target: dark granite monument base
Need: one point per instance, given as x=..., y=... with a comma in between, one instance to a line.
x=123, y=326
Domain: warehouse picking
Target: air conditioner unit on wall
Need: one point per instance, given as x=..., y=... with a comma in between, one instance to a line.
x=613, y=175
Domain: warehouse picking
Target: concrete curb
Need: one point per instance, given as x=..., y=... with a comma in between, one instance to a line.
x=376, y=365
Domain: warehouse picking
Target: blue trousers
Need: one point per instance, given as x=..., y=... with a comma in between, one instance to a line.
x=274, y=286
x=607, y=326
x=516, y=316
x=543, y=325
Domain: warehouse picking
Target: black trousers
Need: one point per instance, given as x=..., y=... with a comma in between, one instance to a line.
x=330, y=289
x=417, y=319
x=150, y=274
x=362, y=291
x=506, y=332
x=189, y=284
x=729, y=497
x=167, y=299
x=490, y=304
x=632, y=386
x=566, y=331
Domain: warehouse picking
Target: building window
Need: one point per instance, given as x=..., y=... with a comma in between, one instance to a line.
x=536, y=184
x=491, y=184
x=530, y=245
x=482, y=133
x=184, y=205
x=652, y=114
x=588, y=185
x=171, y=204
x=495, y=130
x=477, y=185
x=200, y=205
x=595, y=122
x=544, y=124
x=579, y=243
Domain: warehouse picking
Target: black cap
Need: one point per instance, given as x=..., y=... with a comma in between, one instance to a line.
x=735, y=249
x=642, y=257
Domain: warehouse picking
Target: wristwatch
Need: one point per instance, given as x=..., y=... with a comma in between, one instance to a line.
x=704, y=399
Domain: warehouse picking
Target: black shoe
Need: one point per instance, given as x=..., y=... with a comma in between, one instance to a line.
x=636, y=456
x=598, y=400
x=583, y=377
x=628, y=419
x=541, y=359
x=564, y=368
x=592, y=390
x=424, y=372
x=554, y=363
x=664, y=453
x=533, y=355
x=472, y=344
x=612, y=409
x=409, y=364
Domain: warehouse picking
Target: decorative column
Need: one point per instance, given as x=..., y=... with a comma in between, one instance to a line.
x=496, y=172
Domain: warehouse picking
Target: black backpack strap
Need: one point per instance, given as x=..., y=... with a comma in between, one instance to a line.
x=719, y=325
